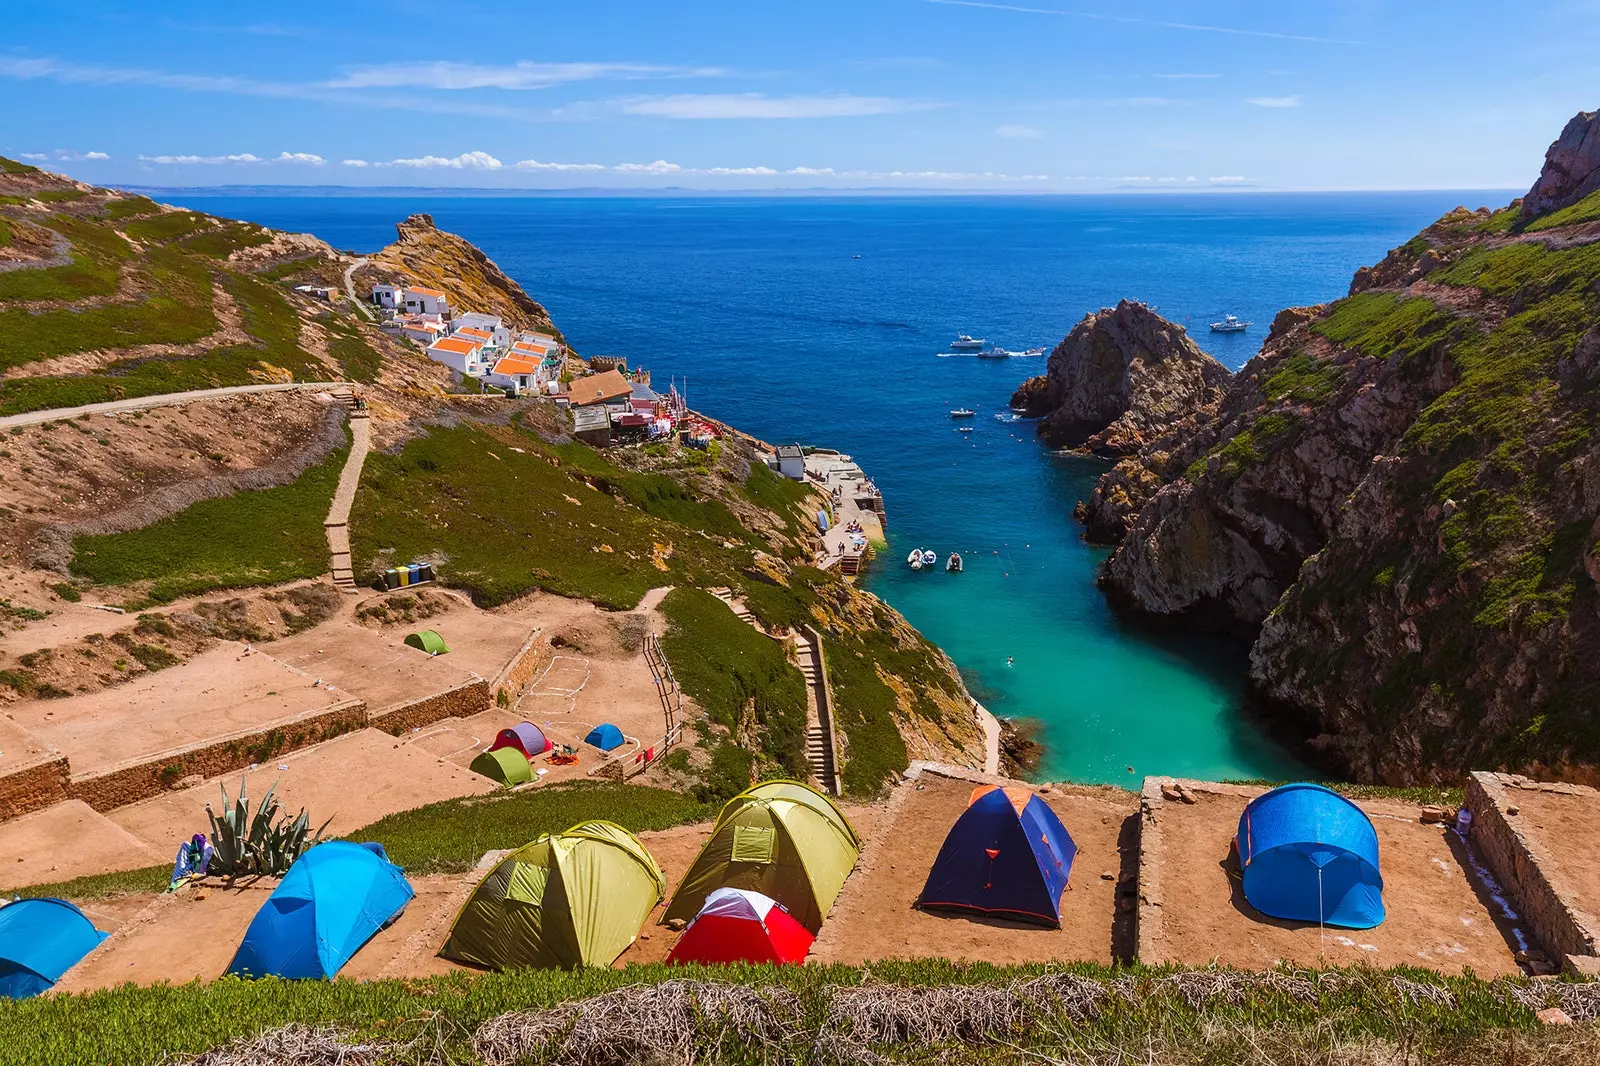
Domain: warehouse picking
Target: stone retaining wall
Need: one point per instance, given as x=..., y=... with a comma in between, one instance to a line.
x=465, y=700
x=1520, y=867
x=151, y=775
x=521, y=669
x=35, y=786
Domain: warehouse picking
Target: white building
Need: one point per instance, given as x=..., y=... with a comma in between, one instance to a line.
x=422, y=301
x=422, y=329
x=459, y=354
x=480, y=320
x=391, y=296
x=792, y=462
x=515, y=373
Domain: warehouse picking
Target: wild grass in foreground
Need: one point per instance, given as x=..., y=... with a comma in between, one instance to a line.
x=930, y=1011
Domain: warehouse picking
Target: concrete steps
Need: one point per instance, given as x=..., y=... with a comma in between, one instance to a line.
x=819, y=753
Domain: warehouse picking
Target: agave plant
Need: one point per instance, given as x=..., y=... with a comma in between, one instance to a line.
x=262, y=844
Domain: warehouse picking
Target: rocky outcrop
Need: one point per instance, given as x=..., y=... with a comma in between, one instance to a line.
x=426, y=255
x=1399, y=498
x=1571, y=168
x=1119, y=380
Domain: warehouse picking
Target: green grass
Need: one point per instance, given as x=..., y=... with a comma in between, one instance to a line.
x=1301, y=379
x=1452, y=796
x=1585, y=210
x=262, y=537
x=100, y=886
x=128, y=208
x=12, y=166
x=167, y=227
x=743, y=679
x=1251, y=444
x=60, y=196
x=1385, y=326
x=1147, y=1015
x=98, y=256
x=228, y=237
x=508, y=521
x=359, y=360
x=790, y=500
x=454, y=834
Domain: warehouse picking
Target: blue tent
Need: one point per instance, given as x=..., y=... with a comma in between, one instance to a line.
x=1007, y=855
x=1310, y=855
x=604, y=736
x=41, y=939
x=332, y=901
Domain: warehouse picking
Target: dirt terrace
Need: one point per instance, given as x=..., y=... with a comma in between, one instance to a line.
x=1193, y=910
x=1567, y=827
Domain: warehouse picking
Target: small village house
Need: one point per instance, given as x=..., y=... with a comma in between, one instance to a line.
x=390, y=296
x=610, y=387
x=425, y=330
x=477, y=336
x=592, y=425
x=792, y=462
x=319, y=292
x=516, y=374
x=420, y=301
x=463, y=356
x=493, y=325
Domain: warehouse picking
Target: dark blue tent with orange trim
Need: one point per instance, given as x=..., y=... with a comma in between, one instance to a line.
x=1008, y=855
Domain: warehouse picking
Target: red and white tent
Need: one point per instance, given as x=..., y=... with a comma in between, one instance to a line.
x=736, y=925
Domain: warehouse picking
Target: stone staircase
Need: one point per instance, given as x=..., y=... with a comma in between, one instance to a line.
x=819, y=746
x=739, y=610
x=337, y=524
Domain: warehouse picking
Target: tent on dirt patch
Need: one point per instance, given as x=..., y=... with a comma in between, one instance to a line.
x=41, y=939
x=740, y=926
x=1310, y=855
x=605, y=736
x=783, y=839
x=505, y=765
x=1007, y=856
x=524, y=737
x=333, y=900
x=429, y=641
x=577, y=898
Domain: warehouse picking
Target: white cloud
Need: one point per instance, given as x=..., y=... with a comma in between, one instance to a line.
x=34, y=155
x=760, y=171
x=1019, y=133
x=95, y=155
x=464, y=161
x=534, y=164
x=812, y=172
x=1229, y=179
x=523, y=75
x=66, y=155
x=759, y=105
x=660, y=166
x=356, y=163
x=308, y=158
x=185, y=160
x=1274, y=101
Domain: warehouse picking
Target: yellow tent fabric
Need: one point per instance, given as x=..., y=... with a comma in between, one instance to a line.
x=577, y=898
x=783, y=839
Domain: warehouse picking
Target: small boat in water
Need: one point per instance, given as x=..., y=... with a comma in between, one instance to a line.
x=966, y=342
x=963, y=429
x=1032, y=351
x=914, y=560
x=1230, y=324
x=1008, y=417
x=930, y=557
x=953, y=564
x=962, y=412
x=994, y=353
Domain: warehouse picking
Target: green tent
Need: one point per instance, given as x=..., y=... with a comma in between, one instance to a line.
x=505, y=765
x=578, y=898
x=782, y=839
x=429, y=641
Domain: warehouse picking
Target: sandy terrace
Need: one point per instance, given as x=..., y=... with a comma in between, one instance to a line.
x=392, y=777
x=69, y=840
x=373, y=666
x=216, y=693
x=18, y=746
x=480, y=641
x=1564, y=831
x=1438, y=915
x=874, y=917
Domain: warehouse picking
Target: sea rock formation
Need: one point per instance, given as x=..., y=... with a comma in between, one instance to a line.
x=1399, y=498
x=427, y=255
x=1119, y=379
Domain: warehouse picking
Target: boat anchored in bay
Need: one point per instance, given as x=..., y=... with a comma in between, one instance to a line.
x=966, y=342
x=1230, y=324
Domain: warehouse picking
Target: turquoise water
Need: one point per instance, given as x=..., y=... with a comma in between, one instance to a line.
x=763, y=307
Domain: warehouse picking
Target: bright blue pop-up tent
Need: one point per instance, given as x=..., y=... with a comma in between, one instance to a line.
x=41, y=939
x=604, y=736
x=1311, y=855
x=1007, y=855
x=332, y=901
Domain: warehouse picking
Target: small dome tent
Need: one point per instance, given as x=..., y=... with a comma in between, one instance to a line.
x=524, y=737
x=1008, y=855
x=41, y=939
x=505, y=765
x=736, y=925
x=604, y=736
x=429, y=641
x=1310, y=855
x=333, y=900
x=783, y=839
x=577, y=898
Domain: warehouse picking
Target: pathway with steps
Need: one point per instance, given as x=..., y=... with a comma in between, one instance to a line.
x=819, y=752
x=337, y=524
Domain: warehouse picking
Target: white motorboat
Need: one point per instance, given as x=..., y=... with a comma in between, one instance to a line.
x=953, y=564
x=1230, y=324
x=963, y=429
x=994, y=353
x=962, y=412
x=930, y=557
x=914, y=560
x=966, y=342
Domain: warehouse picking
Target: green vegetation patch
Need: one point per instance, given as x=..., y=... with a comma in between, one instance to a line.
x=359, y=360
x=1585, y=210
x=149, y=879
x=1381, y=325
x=262, y=537
x=1251, y=445
x=131, y=207
x=1302, y=379
x=454, y=834
x=742, y=678
x=226, y=238
x=98, y=255
x=507, y=514
x=12, y=166
x=167, y=227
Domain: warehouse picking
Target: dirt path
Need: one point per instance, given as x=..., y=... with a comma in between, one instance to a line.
x=337, y=524
x=991, y=738
x=350, y=287
x=169, y=399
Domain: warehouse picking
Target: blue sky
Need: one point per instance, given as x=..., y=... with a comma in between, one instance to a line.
x=752, y=94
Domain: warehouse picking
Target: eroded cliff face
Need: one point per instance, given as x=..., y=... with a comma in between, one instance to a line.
x=1118, y=380
x=428, y=256
x=1400, y=496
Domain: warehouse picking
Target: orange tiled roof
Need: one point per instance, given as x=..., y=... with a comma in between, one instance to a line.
x=513, y=365
x=455, y=345
x=598, y=388
x=423, y=292
x=475, y=332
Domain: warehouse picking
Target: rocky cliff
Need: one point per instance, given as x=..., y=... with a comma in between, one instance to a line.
x=426, y=255
x=1400, y=498
x=1121, y=377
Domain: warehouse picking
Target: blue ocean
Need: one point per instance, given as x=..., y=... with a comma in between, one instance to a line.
x=827, y=321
